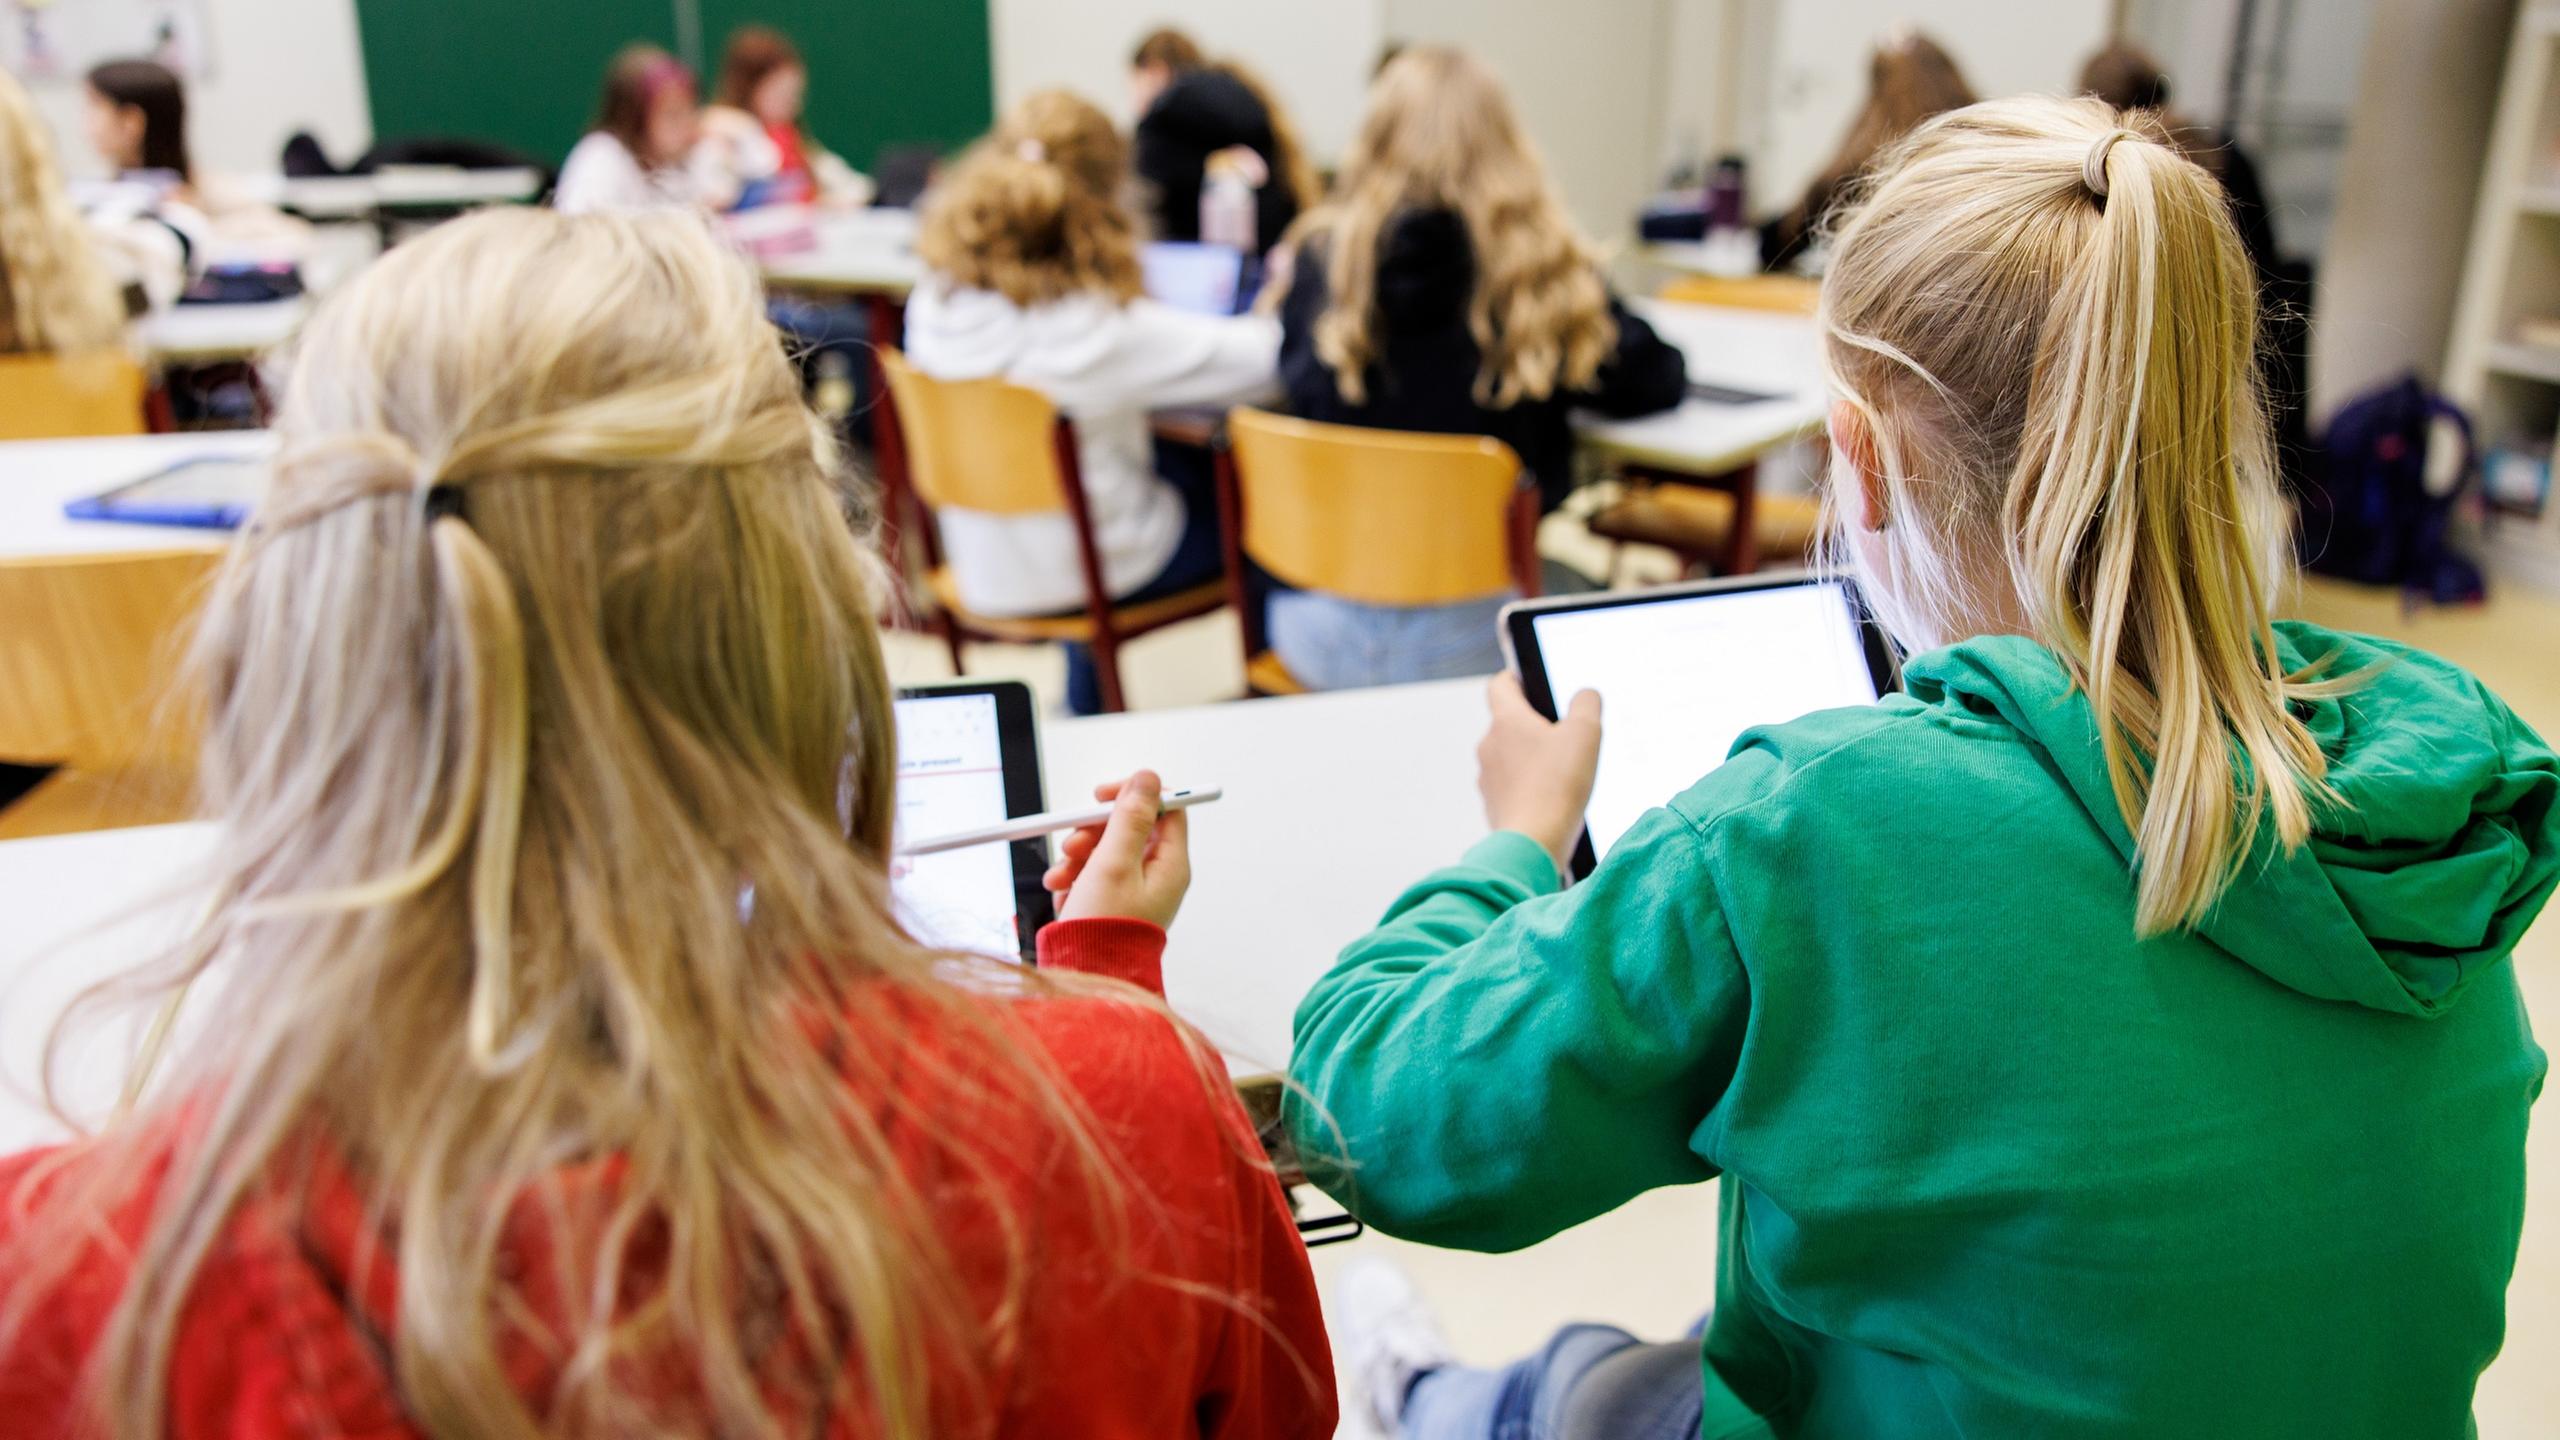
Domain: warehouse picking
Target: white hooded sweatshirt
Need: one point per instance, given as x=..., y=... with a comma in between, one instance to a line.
x=1105, y=364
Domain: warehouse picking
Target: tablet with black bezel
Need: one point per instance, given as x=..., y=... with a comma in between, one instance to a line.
x=969, y=756
x=1683, y=670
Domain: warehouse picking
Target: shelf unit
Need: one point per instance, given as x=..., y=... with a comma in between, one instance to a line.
x=2512, y=274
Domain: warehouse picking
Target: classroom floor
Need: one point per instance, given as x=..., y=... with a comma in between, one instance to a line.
x=1650, y=1266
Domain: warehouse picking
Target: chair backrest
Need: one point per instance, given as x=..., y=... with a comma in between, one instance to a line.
x=52, y=397
x=1786, y=294
x=1383, y=516
x=88, y=658
x=978, y=444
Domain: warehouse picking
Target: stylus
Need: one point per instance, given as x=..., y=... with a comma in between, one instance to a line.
x=1032, y=827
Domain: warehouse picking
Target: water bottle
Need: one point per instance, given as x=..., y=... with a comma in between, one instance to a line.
x=1227, y=211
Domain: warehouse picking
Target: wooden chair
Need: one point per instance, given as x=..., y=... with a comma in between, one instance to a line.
x=1002, y=449
x=1699, y=524
x=50, y=397
x=1386, y=517
x=1787, y=294
x=86, y=665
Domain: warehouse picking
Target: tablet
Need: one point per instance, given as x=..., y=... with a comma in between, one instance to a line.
x=1682, y=671
x=1187, y=275
x=212, y=492
x=968, y=756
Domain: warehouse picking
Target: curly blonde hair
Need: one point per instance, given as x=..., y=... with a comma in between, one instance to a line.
x=1033, y=211
x=1441, y=135
x=55, y=296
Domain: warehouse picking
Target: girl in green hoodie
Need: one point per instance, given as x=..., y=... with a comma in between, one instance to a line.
x=2110, y=1035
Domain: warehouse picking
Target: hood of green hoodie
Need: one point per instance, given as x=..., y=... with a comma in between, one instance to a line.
x=2446, y=845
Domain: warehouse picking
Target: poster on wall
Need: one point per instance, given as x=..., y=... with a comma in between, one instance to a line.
x=60, y=39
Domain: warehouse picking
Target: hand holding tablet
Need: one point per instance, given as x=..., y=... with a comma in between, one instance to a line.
x=1536, y=773
x=1685, y=670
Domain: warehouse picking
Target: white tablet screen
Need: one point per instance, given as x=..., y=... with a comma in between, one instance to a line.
x=1680, y=679
x=951, y=777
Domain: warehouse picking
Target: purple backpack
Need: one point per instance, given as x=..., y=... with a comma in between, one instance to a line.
x=2366, y=513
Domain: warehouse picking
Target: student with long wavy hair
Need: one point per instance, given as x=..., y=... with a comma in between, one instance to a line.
x=1032, y=276
x=566, y=1070
x=1909, y=78
x=2114, y=1034
x=753, y=137
x=57, y=296
x=1444, y=288
x=1194, y=112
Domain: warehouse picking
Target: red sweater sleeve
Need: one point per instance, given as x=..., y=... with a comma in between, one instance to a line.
x=1122, y=949
x=1271, y=1374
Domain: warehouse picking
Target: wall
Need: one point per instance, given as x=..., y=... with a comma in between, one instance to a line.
x=1819, y=67
x=278, y=66
x=2427, y=94
x=1316, y=54
x=1588, y=80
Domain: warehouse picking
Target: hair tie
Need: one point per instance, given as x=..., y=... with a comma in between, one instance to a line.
x=1031, y=150
x=2093, y=170
x=444, y=501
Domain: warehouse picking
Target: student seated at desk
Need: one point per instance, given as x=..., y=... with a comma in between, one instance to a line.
x=568, y=1070
x=752, y=138
x=1443, y=288
x=2114, y=1034
x=642, y=153
x=1032, y=277
x=169, y=219
x=1193, y=112
x=1910, y=78
x=57, y=296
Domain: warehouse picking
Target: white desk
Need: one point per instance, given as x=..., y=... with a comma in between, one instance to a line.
x=332, y=198
x=856, y=252
x=1334, y=804
x=37, y=477
x=1768, y=352
x=204, y=334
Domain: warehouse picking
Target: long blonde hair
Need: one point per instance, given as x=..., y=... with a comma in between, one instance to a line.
x=1033, y=211
x=549, y=732
x=1441, y=135
x=55, y=296
x=2044, y=317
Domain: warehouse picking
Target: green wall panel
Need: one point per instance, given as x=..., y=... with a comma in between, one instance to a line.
x=525, y=73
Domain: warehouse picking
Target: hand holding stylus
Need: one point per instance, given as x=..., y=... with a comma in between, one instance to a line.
x=1136, y=864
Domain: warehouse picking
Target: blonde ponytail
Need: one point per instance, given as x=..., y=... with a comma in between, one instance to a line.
x=2047, y=320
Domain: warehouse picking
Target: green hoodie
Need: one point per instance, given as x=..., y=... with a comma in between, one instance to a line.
x=1992, y=1166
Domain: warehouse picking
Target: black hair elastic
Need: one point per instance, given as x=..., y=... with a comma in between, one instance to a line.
x=443, y=501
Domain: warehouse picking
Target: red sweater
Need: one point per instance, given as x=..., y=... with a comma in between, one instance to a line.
x=281, y=1336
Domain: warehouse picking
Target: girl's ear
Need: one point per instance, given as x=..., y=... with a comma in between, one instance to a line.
x=1853, y=441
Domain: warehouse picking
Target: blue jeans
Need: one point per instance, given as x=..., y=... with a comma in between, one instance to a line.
x=1198, y=558
x=1331, y=643
x=1591, y=1382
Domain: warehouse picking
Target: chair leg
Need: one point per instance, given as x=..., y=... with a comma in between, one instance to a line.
x=950, y=629
x=1106, y=669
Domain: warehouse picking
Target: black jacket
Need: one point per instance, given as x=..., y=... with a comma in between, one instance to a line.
x=1198, y=114
x=1425, y=374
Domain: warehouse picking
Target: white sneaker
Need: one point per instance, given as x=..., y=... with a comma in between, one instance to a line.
x=1389, y=1336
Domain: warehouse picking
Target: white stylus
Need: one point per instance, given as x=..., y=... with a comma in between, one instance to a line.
x=1032, y=827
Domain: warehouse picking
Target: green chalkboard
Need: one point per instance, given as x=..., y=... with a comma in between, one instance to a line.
x=525, y=75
